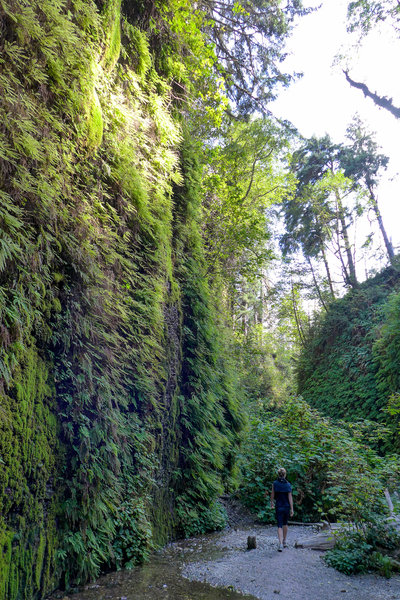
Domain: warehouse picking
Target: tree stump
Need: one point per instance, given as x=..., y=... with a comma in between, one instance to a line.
x=251, y=542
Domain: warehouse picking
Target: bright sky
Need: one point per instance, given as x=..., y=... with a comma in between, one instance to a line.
x=323, y=102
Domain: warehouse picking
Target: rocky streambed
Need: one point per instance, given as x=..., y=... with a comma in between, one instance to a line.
x=219, y=567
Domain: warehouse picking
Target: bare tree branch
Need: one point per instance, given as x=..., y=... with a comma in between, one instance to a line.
x=381, y=101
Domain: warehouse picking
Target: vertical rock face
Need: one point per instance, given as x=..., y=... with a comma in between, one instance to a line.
x=28, y=450
x=117, y=415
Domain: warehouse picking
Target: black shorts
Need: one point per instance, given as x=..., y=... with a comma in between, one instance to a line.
x=282, y=515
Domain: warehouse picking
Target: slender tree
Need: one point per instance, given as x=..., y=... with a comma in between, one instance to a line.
x=307, y=221
x=362, y=162
x=317, y=214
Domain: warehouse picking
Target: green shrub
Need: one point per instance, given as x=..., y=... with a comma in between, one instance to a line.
x=335, y=475
x=132, y=543
x=350, y=556
x=382, y=564
x=196, y=519
x=365, y=550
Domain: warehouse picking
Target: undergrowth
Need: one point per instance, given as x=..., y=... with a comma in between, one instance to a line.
x=336, y=477
x=335, y=473
x=367, y=549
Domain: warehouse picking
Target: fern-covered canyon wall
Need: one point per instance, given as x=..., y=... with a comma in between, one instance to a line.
x=118, y=411
x=348, y=367
x=144, y=335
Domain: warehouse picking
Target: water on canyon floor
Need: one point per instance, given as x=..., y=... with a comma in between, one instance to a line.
x=160, y=578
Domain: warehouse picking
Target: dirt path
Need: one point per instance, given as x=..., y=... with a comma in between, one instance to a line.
x=219, y=567
x=295, y=574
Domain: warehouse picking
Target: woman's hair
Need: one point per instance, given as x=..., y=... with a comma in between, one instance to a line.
x=282, y=473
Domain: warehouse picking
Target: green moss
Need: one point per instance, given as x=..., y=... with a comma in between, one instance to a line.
x=94, y=124
x=112, y=26
x=6, y=538
x=27, y=446
x=103, y=298
x=39, y=559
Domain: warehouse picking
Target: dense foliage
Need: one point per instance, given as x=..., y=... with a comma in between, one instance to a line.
x=334, y=472
x=367, y=549
x=349, y=365
x=119, y=405
x=136, y=310
x=118, y=408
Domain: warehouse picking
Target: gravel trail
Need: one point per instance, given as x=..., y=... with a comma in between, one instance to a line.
x=294, y=574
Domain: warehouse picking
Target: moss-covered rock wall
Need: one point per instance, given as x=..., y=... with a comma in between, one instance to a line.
x=345, y=369
x=118, y=415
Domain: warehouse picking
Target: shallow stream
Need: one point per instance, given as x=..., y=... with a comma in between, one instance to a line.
x=160, y=578
x=223, y=560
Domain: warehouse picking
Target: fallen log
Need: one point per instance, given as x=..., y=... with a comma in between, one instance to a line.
x=337, y=526
x=317, y=525
x=326, y=538
x=394, y=519
x=321, y=541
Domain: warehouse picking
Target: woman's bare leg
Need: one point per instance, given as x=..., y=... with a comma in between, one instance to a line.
x=280, y=535
x=285, y=530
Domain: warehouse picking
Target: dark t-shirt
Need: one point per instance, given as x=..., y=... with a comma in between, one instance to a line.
x=282, y=488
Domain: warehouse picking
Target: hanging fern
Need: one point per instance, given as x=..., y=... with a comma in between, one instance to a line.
x=113, y=384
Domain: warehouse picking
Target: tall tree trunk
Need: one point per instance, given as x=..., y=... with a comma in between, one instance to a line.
x=320, y=296
x=388, y=244
x=345, y=271
x=297, y=319
x=351, y=276
x=328, y=272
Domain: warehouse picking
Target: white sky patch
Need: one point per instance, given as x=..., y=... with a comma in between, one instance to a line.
x=323, y=102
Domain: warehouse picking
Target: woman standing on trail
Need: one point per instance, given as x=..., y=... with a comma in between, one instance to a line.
x=282, y=494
